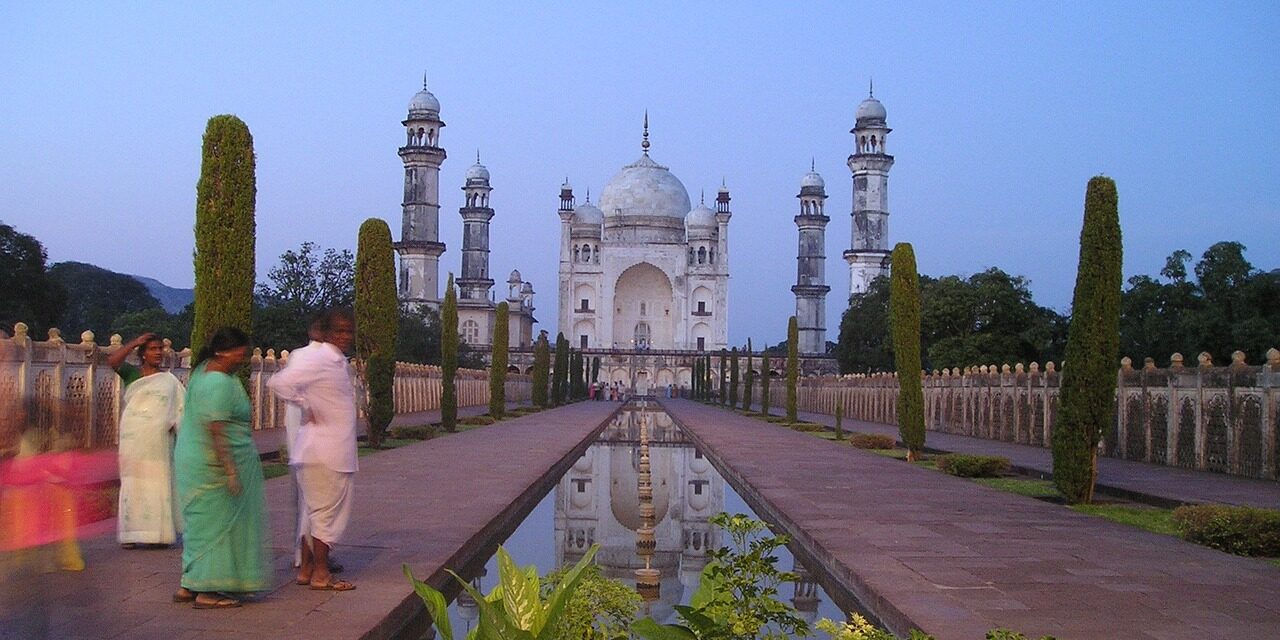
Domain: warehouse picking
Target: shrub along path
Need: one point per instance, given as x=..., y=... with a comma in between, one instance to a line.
x=428, y=504
x=1157, y=484
x=954, y=558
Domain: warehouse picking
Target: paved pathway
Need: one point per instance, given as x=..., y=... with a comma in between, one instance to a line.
x=1153, y=483
x=955, y=558
x=427, y=504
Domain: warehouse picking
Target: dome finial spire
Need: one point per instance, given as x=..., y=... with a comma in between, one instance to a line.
x=424, y=80
x=644, y=143
x=812, y=163
x=871, y=87
x=478, y=157
x=702, y=197
x=588, y=195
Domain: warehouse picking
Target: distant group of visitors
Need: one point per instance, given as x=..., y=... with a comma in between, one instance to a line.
x=189, y=465
x=607, y=391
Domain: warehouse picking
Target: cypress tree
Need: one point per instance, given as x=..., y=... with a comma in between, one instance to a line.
x=576, y=378
x=498, y=362
x=1093, y=346
x=595, y=369
x=449, y=358
x=561, y=370
x=541, y=370
x=764, y=383
x=377, y=323
x=226, y=196
x=710, y=390
x=750, y=380
x=904, y=323
x=723, y=374
x=793, y=367
x=695, y=380
x=733, y=379
x=840, y=421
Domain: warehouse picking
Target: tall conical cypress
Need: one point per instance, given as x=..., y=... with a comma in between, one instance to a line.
x=904, y=323
x=793, y=367
x=733, y=379
x=377, y=323
x=710, y=388
x=1093, y=346
x=595, y=369
x=558, y=375
x=449, y=358
x=226, y=197
x=764, y=383
x=541, y=371
x=750, y=380
x=724, y=377
x=498, y=361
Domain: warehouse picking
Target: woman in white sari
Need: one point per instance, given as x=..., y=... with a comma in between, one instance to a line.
x=152, y=411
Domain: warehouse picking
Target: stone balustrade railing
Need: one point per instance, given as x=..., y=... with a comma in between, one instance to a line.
x=68, y=389
x=1222, y=419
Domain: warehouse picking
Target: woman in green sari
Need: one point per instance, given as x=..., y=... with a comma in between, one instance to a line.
x=220, y=484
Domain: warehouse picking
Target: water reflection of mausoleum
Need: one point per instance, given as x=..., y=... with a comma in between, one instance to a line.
x=598, y=501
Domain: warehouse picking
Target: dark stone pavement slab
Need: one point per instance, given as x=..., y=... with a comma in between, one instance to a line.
x=426, y=504
x=954, y=558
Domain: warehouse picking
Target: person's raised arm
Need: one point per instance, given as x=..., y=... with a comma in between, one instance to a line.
x=118, y=356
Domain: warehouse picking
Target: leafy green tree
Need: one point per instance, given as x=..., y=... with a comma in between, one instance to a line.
x=733, y=378
x=449, y=358
x=302, y=284
x=96, y=296
x=175, y=326
x=764, y=383
x=498, y=361
x=1089, y=375
x=904, y=318
x=793, y=368
x=558, y=372
x=418, y=337
x=29, y=294
x=226, y=196
x=541, y=370
x=601, y=608
x=751, y=379
x=862, y=347
x=377, y=323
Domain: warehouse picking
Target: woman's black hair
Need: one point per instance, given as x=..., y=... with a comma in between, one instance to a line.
x=142, y=348
x=223, y=339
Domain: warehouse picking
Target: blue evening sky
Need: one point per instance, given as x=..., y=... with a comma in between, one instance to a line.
x=1001, y=112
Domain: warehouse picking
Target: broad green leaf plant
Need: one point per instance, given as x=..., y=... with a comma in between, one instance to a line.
x=516, y=609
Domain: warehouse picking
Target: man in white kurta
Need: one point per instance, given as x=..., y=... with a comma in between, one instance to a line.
x=319, y=381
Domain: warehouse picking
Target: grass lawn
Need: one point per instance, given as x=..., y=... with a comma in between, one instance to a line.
x=274, y=469
x=1022, y=486
x=1152, y=519
x=389, y=443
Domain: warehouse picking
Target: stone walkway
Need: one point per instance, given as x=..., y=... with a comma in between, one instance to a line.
x=1157, y=484
x=954, y=558
x=427, y=504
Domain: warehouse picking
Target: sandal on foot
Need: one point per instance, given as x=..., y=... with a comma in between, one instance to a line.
x=184, y=596
x=220, y=603
x=333, y=585
x=301, y=582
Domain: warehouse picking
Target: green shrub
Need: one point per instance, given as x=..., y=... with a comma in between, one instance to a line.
x=1244, y=531
x=481, y=419
x=793, y=367
x=413, y=432
x=600, y=609
x=872, y=441
x=840, y=421
x=776, y=419
x=973, y=466
x=541, y=371
x=806, y=426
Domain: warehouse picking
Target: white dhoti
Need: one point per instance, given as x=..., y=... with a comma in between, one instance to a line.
x=327, y=496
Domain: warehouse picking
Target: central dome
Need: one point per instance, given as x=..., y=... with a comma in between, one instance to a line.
x=645, y=188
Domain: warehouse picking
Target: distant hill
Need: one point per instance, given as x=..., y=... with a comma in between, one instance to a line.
x=96, y=296
x=172, y=299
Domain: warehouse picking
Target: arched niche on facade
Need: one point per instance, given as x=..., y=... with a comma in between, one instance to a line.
x=642, y=300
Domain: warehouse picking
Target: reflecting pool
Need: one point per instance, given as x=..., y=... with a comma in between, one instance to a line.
x=602, y=499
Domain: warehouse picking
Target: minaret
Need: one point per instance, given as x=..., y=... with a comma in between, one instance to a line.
x=811, y=279
x=420, y=245
x=721, y=324
x=868, y=255
x=566, y=256
x=475, y=281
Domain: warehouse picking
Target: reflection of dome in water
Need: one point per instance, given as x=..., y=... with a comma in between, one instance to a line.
x=624, y=495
